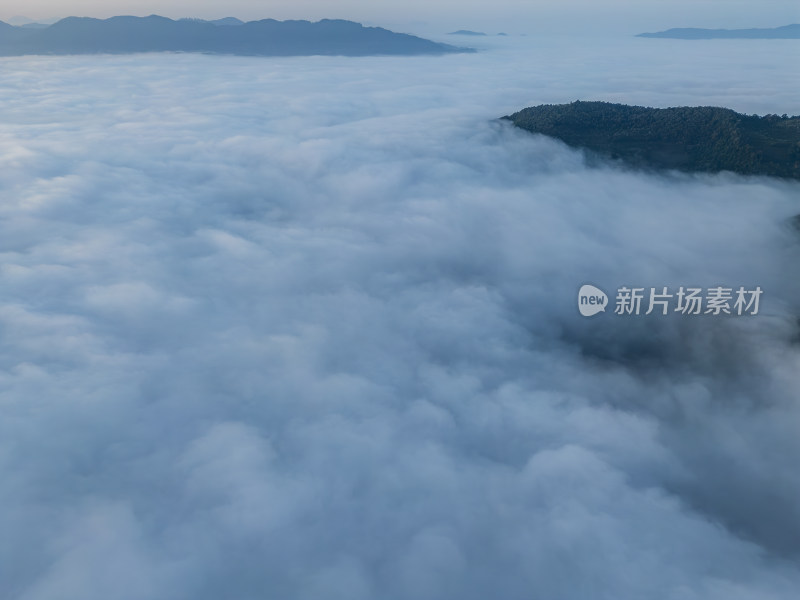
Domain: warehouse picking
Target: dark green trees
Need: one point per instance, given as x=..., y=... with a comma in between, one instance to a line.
x=687, y=138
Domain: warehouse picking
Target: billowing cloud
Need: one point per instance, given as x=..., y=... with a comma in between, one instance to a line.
x=306, y=328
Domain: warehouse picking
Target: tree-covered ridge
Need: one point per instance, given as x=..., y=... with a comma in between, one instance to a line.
x=691, y=139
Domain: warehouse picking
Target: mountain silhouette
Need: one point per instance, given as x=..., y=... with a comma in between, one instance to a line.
x=785, y=32
x=121, y=35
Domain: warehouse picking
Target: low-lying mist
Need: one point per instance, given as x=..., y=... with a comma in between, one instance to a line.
x=308, y=328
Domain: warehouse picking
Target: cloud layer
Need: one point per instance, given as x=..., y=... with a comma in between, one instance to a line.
x=306, y=328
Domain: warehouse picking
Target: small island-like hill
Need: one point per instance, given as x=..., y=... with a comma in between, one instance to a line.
x=467, y=32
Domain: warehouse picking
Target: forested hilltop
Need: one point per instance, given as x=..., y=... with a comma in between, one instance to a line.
x=687, y=138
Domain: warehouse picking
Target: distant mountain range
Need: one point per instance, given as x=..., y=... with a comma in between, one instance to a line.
x=786, y=32
x=122, y=35
x=689, y=139
x=474, y=33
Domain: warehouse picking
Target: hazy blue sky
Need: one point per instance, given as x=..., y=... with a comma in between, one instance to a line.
x=512, y=15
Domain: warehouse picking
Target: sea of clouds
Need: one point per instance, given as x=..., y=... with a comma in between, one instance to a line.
x=307, y=328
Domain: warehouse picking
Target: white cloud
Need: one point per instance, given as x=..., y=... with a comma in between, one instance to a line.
x=305, y=328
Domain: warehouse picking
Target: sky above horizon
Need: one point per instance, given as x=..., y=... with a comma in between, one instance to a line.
x=514, y=16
